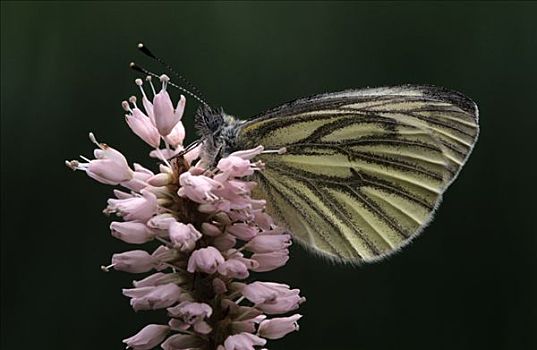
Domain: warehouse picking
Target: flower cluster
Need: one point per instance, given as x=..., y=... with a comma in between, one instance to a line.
x=211, y=234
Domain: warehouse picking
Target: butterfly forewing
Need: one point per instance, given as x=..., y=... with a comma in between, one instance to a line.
x=364, y=169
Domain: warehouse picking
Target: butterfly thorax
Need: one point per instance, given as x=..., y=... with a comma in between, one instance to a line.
x=219, y=133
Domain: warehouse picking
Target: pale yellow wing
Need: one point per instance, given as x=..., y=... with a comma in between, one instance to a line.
x=364, y=169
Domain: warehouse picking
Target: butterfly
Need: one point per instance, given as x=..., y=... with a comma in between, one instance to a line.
x=354, y=175
x=359, y=173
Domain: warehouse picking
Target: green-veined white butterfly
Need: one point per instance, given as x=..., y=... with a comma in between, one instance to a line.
x=363, y=170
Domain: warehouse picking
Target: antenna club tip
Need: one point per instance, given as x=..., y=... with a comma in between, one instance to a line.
x=92, y=138
x=132, y=64
x=140, y=45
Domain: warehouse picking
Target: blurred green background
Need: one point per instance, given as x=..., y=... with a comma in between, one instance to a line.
x=468, y=283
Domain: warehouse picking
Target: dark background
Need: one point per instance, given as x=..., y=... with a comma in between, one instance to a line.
x=468, y=283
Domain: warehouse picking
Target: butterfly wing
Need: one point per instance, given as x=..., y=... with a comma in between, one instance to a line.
x=364, y=169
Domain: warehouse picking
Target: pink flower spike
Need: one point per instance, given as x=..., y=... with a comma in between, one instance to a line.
x=279, y=327
x=155, y=297
x=141, y=124
x=268, y=243
x=134, y=261
x=205, y=260
x=131, y=232
x=270, y=261
x=183, y=237
x=148, y=337
x=248, y=154
x=207, y=229
x=165, y=118
x=243, y=341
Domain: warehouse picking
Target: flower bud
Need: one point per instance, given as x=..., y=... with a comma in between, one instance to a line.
x=243, y=341
x=134, y=261
x=270, y=261
x=279, y=327
x=131, y=232
x=205, y=260
x=148, y=337
x=154, y=297
x=143, y=127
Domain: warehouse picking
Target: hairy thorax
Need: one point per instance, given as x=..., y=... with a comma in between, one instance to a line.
x=219, y=133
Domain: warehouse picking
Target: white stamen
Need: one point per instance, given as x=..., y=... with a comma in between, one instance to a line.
x=132, y=100
x=159, y=152
x=73, y=164
x=93, y=139
x=162, y=240
x=164, y=79
x=148, y=78
x=126, y=106
x=107, y=268
x=139, y=82
x=278, y=151
x=85, y=158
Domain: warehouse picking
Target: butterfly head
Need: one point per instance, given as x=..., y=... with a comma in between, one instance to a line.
x=218, y=131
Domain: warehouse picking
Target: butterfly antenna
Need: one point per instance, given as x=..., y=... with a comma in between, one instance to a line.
x=195, y=91
x=140, y=69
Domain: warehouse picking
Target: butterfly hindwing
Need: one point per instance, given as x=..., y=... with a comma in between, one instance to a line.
x=364, y=169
